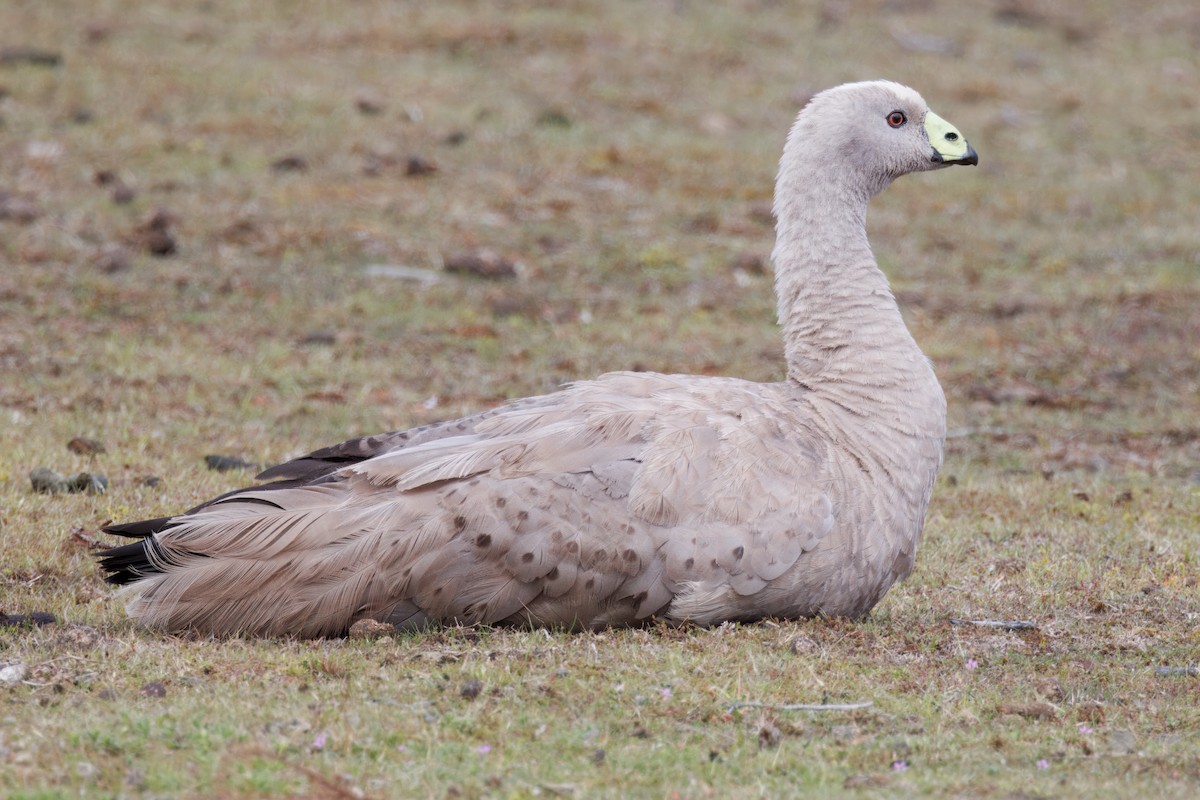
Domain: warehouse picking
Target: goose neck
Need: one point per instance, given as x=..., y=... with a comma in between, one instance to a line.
x=840, y=322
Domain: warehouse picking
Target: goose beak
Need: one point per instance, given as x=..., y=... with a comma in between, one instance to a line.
x=949, y=146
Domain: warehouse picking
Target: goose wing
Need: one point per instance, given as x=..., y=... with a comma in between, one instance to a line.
x=618, y=499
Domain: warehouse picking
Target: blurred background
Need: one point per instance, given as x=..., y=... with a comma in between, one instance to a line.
x=270, y=224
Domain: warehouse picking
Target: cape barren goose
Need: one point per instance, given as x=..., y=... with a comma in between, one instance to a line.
x=627, y=498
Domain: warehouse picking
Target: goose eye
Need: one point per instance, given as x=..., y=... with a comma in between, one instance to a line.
x=896, y=119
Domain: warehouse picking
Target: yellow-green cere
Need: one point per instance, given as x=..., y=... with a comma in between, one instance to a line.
x=945, y=138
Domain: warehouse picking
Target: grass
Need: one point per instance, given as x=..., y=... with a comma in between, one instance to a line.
x=621, y=153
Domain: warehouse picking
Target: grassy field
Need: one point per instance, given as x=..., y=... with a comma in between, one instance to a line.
x=620, y=157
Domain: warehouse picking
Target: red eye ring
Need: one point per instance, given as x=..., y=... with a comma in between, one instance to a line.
x=897, y=119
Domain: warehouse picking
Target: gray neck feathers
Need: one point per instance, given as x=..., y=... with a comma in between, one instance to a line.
x=844, y=338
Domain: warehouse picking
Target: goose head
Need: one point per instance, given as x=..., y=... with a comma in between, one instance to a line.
x=865, y=135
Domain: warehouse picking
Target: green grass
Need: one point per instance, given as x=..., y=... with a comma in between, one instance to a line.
x=621, y=153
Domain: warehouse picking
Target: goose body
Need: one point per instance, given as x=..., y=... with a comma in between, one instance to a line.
x=630, y=497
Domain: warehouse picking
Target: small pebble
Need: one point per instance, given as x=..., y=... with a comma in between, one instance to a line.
x=112, y=257
x=90, y=482
x=1122, y=742
x=156, y=233
x=417, y=166
x=221, y=463
x=12, y=673
x=34, y=56
x=18, y=208
x=554, y=118
x=1177, y=672
x=47, y=481
x=368, y=102
x=289, y=164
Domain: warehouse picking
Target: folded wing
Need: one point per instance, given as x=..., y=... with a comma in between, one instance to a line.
x=611, y=502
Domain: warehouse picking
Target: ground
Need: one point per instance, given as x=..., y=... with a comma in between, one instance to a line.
x=225, y=227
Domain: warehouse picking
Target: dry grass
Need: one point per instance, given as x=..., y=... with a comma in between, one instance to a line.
x=621, y=154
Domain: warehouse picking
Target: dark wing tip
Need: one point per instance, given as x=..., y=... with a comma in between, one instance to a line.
x=140, y=529
x=131, y=562
x=127, y=563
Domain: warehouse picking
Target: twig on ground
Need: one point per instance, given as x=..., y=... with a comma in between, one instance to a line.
x=324, y=786
x=960, y=433
x=1003, y=624
x=802, y=706
x=1177, y=672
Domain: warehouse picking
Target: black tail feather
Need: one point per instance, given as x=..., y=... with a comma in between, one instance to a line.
x=128, y=563
x=140, y=529
x=132, y=562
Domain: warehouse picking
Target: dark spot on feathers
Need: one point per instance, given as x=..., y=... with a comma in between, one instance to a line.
x=691, y=562
x=630, y=555
x=590, y=583
x=552, y=574
x=527, y=557
x=460, y=524
x=522, y=516
x=483, y=540
x=572, y=547
x=738, y=551
x=501, y=502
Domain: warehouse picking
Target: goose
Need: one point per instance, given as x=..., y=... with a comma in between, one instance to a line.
x=634, y=498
